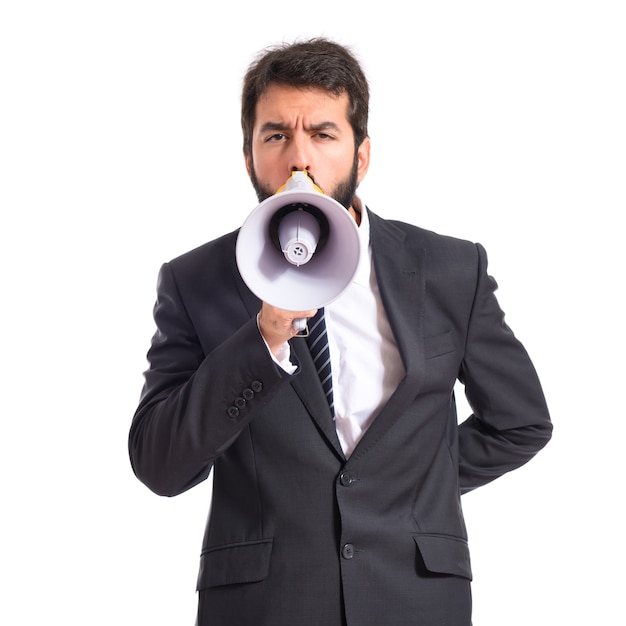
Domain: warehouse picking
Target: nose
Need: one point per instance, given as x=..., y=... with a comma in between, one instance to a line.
x=299, y=157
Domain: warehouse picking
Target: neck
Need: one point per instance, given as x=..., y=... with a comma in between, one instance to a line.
x=355, y=210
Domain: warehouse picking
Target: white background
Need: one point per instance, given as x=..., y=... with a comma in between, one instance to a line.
x=497, y=121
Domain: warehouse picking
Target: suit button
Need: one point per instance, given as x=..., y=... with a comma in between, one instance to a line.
x=346, y=480
x=247, y=393
x=233, y=412
x=347, y=552
x=240, y=403
x=256, y=386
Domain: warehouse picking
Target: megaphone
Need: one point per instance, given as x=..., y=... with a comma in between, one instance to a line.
x=299, y=249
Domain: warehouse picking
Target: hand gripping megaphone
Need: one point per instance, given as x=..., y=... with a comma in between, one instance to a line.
x=299, y=249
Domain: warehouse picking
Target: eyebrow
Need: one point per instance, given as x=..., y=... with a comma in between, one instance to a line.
x=276, y=126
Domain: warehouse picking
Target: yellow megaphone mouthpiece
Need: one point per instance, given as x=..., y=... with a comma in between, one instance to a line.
x=299, y=180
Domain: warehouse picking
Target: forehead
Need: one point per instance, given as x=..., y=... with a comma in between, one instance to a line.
x=283, y=103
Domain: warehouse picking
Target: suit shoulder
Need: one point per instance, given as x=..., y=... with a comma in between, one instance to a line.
x=424, y=238
x=213, y=254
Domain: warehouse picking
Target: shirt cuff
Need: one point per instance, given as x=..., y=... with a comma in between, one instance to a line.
x=283, y=358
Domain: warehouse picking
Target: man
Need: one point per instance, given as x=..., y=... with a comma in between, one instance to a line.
x=346, y=516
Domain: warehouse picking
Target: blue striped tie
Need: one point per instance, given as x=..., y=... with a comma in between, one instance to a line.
x=317, y=341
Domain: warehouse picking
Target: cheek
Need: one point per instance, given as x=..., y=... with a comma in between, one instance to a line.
x=266, y=160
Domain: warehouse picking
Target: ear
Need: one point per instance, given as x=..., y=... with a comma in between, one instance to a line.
x=248, y=161
x=363, y=156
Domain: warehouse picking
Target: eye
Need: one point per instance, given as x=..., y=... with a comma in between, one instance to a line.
x=324, y=137
x=275, y=137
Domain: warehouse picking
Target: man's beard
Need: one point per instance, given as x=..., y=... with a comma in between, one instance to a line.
x=343, y=193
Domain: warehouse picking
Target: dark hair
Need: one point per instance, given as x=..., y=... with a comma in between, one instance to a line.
x=313, y=63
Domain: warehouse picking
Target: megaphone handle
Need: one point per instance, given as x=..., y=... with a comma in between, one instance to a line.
x=299, y=324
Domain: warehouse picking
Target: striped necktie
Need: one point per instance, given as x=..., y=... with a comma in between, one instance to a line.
x=317, y=341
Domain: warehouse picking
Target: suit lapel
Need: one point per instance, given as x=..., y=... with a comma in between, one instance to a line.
x=307, y=385
x=401, y=281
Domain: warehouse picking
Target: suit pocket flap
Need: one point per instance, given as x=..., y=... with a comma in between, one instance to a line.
x=445, y=555
x=235, y=563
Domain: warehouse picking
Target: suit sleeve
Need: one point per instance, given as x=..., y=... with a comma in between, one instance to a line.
x=193, y=405
x=510, y=421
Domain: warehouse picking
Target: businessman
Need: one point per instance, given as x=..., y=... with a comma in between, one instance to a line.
x=340, y=506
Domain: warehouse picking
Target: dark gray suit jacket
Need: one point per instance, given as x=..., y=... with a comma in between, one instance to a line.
x=297, y=534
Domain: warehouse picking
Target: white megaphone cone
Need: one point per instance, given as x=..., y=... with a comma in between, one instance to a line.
x=299, y=249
